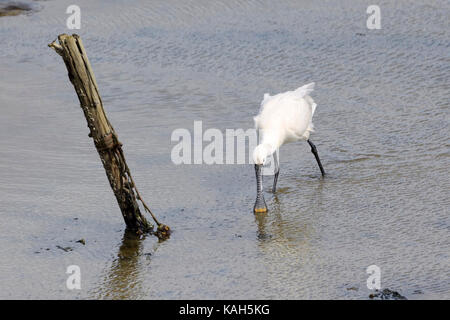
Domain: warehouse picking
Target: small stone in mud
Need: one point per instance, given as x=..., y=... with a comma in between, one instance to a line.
x=387, y=294
x=82, y=241
x=148, y=255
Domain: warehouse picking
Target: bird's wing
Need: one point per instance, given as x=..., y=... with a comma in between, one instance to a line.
x=265, y=100
x=272, y=105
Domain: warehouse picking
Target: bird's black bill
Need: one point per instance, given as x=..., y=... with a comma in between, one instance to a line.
x=316, y=155
x=260, y=204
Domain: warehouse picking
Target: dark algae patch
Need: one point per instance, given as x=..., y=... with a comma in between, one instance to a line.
x=65, y=249
x=14, y=9
x=386, y=294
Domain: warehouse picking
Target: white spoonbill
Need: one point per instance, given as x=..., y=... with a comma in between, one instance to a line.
x=285, y=117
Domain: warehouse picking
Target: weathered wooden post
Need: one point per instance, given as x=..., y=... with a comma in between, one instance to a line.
x=71, y=49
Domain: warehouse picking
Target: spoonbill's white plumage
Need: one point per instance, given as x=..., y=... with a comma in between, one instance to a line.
x=284, y=117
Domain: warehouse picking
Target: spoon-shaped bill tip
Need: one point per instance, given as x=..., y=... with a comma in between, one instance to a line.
x=260, y=210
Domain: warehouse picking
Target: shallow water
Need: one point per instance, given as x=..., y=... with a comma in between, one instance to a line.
x=382, y=129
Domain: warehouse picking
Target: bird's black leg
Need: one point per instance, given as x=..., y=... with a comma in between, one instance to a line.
x=314, y=151
x=277, y=171
x=275, y=179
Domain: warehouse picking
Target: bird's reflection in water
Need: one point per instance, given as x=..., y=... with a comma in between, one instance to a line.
x=291, y=228
x=262, y=219
x=122, y=279
x=285, y=238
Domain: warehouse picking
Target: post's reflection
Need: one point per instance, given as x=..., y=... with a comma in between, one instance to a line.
x=123, y=278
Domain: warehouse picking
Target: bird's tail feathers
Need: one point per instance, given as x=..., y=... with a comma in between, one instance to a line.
x=312, y=104
x=304, y=90
x=313, y=107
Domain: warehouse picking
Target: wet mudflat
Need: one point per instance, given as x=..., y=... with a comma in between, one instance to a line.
x=382, y=127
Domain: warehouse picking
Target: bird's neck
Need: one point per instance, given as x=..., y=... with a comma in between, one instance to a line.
x=268, y=149
x=272, y=140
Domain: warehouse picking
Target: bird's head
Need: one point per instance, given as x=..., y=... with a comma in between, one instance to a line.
x=261, y=153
